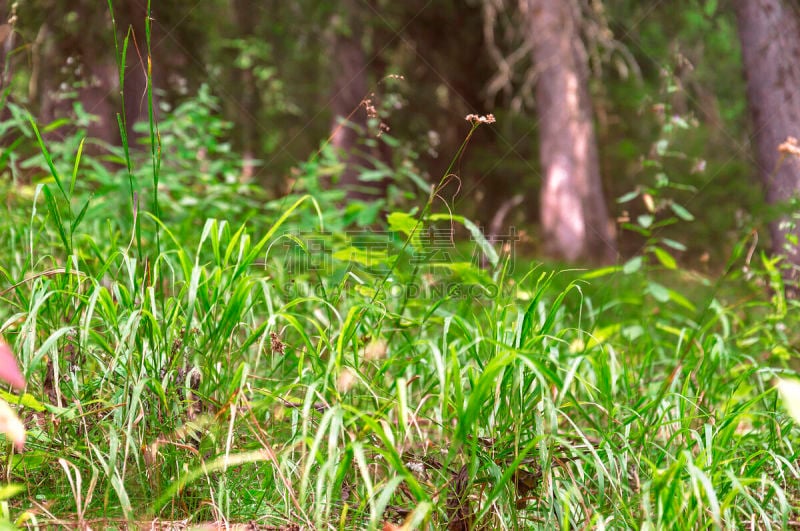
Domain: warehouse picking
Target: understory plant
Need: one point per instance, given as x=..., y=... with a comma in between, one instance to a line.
x=194, y=354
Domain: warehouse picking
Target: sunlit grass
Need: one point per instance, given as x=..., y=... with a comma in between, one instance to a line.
x=211, y=383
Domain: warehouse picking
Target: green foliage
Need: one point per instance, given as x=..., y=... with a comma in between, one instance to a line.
x=294, y=366
x=200, y=175
x=217, y=355
x=270, y=69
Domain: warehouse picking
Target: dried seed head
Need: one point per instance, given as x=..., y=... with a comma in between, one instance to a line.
x=276, y=343
x=369, y=106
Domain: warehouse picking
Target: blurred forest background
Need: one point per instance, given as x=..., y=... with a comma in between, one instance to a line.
x=274, y=79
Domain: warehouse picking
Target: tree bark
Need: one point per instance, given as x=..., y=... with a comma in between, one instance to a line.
x=769, y=31
x=133, y=14
x=64, y=59
x=574, y=216
x=349, y=123
x=248, y=99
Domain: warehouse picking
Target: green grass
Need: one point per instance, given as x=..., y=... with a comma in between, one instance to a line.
x=204, y=376
x=198, y=352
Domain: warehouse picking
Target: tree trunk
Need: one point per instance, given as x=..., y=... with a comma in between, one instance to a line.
x=65, y=59
x=769, y=31
x=133, y=14
x=349, y=124
x=574, y=217
x=246, y=91
x=7, y=44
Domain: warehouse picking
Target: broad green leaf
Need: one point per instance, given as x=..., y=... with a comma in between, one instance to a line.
x=372, y=175
x=678, y=246
x=633, y=265
x=600, y=335
x=665, y=258
x=603, y=271
x=26, y=400
x=366, y=257
x=659, y=292
x=406, y=224
x=681, y=212
x=402, y=222
x=635, y=228
x=628, y=197
x=680, y=299
x=467, y=273
x=477, y=235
